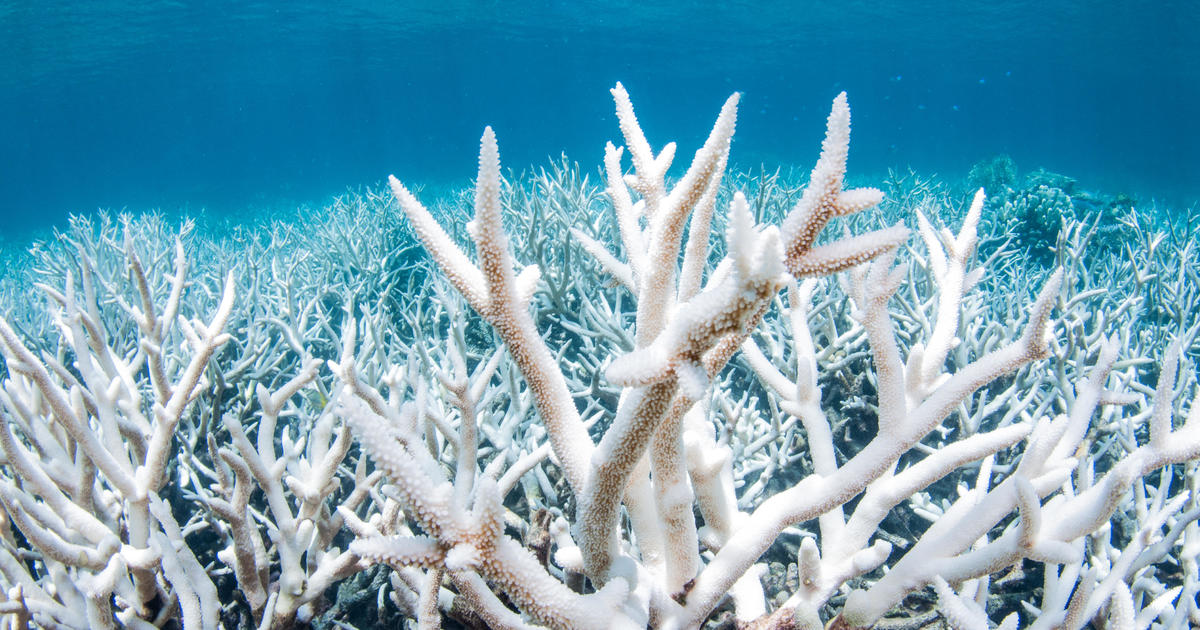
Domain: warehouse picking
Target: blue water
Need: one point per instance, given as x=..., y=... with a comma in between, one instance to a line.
x=228, y=107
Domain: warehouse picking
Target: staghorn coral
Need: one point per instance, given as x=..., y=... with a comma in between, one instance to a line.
x=667, y=375
x=624, y=443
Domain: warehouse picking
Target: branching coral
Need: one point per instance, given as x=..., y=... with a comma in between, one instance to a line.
x=602, y=422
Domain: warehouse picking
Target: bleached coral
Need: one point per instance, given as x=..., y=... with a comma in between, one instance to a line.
x=682, y=342
x=624, y=440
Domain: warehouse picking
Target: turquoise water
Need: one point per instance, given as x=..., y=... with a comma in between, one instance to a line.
x=232, y=106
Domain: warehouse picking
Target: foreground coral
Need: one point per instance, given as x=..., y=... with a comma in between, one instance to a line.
x=592, y=455
x=659, y=459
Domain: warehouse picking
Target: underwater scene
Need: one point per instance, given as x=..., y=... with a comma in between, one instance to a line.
x=591, y=315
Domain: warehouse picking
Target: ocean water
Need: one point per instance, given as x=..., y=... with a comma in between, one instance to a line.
x=233, y=107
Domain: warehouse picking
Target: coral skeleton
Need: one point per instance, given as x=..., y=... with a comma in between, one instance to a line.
x=689, y=412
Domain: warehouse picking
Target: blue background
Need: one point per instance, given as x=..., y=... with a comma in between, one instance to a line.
x=229, y=108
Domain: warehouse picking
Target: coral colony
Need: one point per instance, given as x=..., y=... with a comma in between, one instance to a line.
x=671, y=403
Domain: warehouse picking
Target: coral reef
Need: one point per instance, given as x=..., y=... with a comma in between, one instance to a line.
x=1032, y=210
x=996, y=175
x=1035, y=216
x=652, y=402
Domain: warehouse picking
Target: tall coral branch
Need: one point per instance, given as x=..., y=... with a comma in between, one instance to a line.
x=501, y=304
